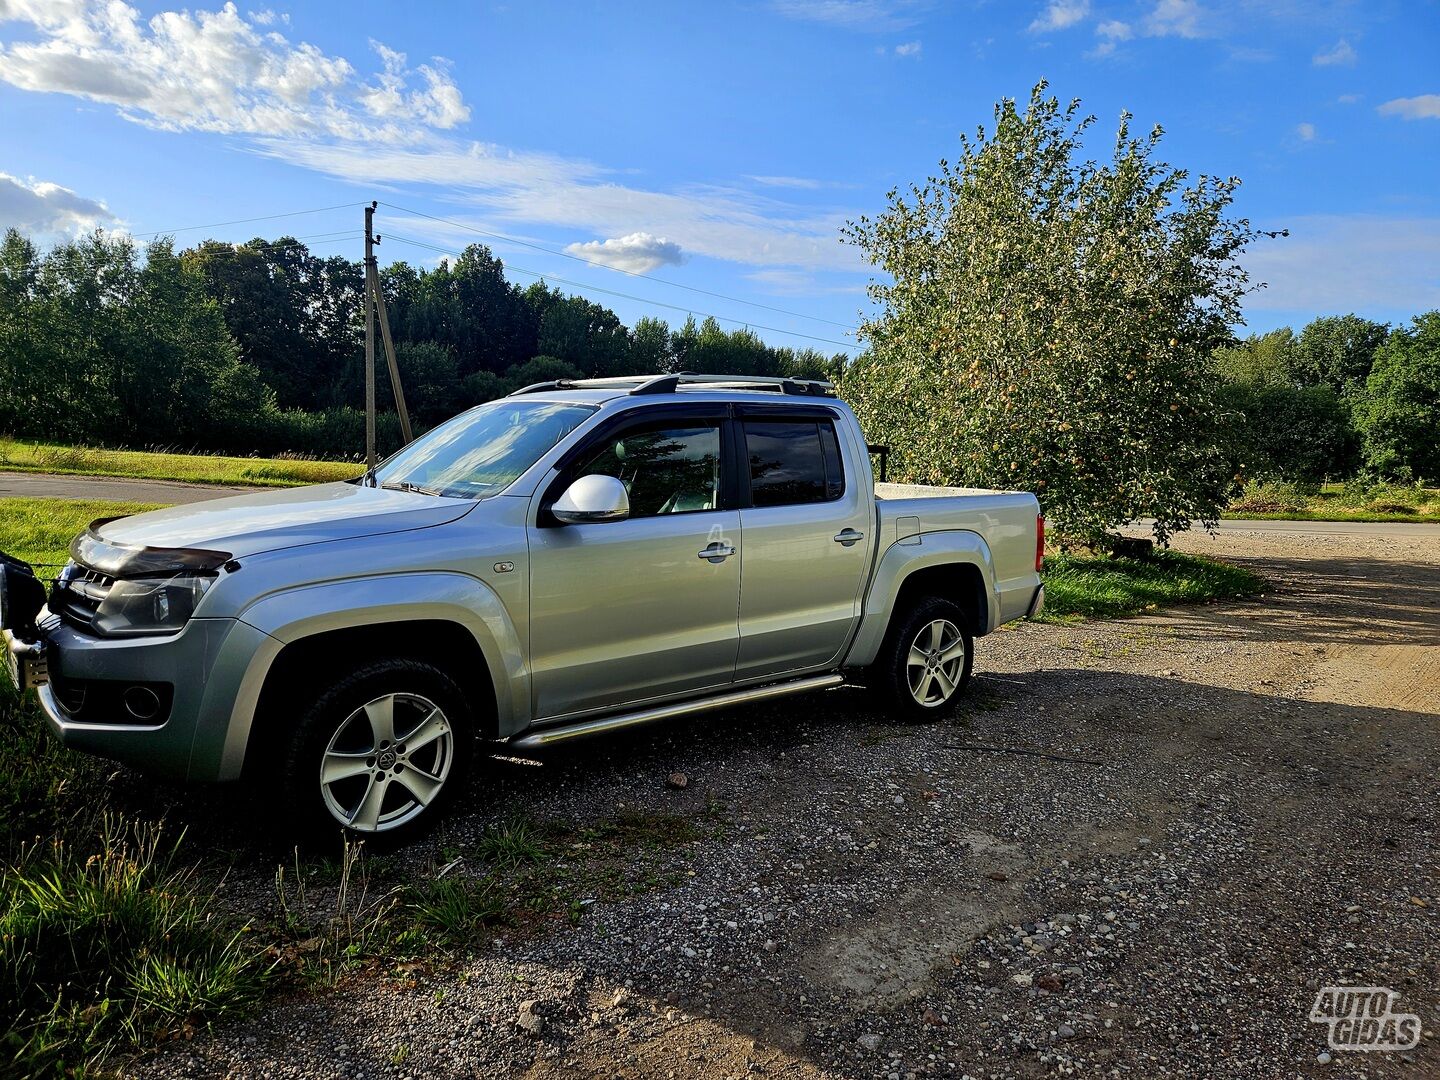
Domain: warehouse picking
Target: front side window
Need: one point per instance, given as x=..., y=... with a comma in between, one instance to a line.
x=793, y=461
x=667, y=470
x=481, y=452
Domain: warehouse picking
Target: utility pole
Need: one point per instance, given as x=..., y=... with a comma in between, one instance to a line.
x=375, y=307
x=369, y=342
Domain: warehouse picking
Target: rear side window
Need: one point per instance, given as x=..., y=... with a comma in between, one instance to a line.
x=793, y=461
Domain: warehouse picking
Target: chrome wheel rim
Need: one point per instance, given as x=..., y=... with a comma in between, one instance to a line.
x=935, y=663
x=386, y=762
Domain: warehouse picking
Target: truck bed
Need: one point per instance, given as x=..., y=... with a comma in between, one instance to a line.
x=1004, y=520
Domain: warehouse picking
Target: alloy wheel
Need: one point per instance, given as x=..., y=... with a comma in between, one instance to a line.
x=935, y=663
x=387, y=762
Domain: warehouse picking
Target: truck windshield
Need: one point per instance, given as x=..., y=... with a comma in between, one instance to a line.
x=481, y=452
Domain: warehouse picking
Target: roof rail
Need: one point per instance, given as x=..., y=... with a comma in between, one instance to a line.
x=667, y=384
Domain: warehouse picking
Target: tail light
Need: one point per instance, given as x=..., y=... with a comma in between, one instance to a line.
x=1039, y=542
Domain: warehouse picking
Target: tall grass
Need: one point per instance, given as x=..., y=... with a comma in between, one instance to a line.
x=19, y=456
x=109, y=945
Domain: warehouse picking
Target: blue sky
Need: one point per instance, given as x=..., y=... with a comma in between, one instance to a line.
x=717, y=146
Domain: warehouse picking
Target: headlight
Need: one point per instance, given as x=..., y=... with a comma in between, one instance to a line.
x=160, y=605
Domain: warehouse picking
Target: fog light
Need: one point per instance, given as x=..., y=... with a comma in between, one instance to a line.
x=141, y=702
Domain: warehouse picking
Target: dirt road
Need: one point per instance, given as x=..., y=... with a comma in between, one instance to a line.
x=1140, y=851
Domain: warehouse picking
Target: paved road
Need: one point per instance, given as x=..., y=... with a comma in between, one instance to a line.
x=107, y=487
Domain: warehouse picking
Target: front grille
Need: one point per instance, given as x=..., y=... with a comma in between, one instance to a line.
x=78, y=593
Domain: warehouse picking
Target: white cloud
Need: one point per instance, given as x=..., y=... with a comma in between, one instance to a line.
x=42, y=209
x=1424, y=107
x=908, y=48
x=1342, y=55
x=1363, y=263
x=1177, y=18
x=538, y=189
x=1113, y=31
x=638, y=253
x=216, y=71
x=1060, y=15
x=1305, y=132
x=871, y=15
x=1348, y=99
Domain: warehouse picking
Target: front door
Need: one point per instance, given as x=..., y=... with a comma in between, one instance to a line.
x=628, y=611
x=807, y=544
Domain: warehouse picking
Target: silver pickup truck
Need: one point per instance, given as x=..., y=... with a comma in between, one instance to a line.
x=572, y=559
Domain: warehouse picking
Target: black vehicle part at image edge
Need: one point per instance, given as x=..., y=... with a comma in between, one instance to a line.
x=22, y=595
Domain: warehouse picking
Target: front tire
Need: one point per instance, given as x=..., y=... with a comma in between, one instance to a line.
x=378, y=754
x=925, y=661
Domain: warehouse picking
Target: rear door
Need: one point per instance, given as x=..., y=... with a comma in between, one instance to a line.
x=627, y=611
x=807, y=530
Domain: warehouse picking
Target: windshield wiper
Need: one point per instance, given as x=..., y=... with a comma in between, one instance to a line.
x=406, y=485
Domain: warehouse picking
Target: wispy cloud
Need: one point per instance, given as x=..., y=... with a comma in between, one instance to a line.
x=1060, y=15
x=1305, y=132
x=216, y=71
x=868, y=15
x=1350, y=263
x=1114, y=32
x=908, y=48
x=1423, y=107
x=638, y=253
x=801, y=283
x=1177, y=18
x=40, y=208
x=1341, y=55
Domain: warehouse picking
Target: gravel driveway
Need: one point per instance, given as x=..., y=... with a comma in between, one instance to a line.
x=1138, y=852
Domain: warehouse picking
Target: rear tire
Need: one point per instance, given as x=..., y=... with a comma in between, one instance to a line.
x=377, y=755
x=924, y=663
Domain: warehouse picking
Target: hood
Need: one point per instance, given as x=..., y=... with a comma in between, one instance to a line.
x=249, y=524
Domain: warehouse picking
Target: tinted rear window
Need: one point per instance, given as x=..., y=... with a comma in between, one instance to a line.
x=793, y=461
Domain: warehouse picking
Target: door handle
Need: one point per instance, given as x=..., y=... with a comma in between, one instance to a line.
x=716, y=552
x=848, y=537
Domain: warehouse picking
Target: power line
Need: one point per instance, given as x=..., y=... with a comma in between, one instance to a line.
x=629, y=296
x=617, y=269
x=246, y=221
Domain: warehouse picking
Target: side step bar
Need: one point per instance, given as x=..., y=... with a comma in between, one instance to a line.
x=551, y=736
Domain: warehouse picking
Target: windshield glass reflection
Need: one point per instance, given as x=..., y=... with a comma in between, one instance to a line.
x=481, y=452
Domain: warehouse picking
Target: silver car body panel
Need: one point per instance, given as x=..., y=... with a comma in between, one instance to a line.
x=574, y=622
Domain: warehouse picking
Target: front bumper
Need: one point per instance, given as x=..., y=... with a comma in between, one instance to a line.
x=204, y=664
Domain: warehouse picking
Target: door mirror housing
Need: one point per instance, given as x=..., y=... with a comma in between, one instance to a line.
x=592, y=499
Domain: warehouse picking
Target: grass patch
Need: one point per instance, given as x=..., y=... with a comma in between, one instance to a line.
x=1353, y=500
x=1096, y=587
x=40, y=530
x=109, y=944
x=161, y=465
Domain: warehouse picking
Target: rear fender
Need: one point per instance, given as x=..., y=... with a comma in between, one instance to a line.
x=900, y=561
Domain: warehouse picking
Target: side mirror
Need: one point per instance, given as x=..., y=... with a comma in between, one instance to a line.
x=592, y=499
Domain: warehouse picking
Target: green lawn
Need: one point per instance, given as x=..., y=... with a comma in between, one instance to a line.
x=1351, y=501
x=192, y=468
x=40, y=530
x=1098, y=587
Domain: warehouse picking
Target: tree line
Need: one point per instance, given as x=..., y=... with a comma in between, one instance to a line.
x=1344, y=396
x=259, y=346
